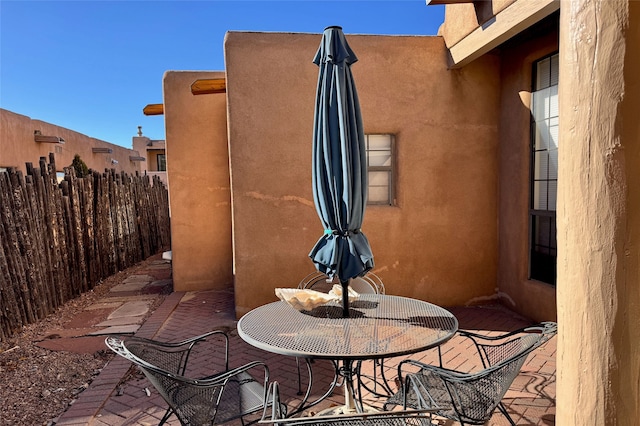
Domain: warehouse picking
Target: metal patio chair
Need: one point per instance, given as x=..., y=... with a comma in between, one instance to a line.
x=213, y=399
x=277, y=416
x=369, y=284
x=473, y=397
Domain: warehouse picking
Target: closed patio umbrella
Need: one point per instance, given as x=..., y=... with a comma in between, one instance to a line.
x=339, y=165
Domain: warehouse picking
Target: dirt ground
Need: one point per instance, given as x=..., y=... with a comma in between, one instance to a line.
x=36, y=384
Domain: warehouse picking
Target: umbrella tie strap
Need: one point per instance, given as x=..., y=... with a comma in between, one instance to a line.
x=341, y=233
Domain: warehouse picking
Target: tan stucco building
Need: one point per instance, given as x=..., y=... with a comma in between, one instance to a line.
x=518, y=119
x=153, y=157
x=24, y=140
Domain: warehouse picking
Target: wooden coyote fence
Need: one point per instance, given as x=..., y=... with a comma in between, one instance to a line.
x=60, y=240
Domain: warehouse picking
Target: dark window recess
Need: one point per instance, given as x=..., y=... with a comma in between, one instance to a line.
x=544, y=170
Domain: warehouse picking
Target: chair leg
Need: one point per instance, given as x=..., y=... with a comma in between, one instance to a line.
x=299, y=377
x=503, y=410
x=166, y=416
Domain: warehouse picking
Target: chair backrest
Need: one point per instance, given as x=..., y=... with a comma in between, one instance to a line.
x=213, y=400
x=475, y=396
x=316, y=281
x=495, y=349
x=362, y=286
x=171, y=361
x=373, y=281
x=369, y=284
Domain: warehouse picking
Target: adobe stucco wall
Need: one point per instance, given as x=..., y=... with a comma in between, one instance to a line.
x=198, y=175
x=534, y=299
x=461, y=19
x=599, y=214
x=17, y=146
x=439, y=243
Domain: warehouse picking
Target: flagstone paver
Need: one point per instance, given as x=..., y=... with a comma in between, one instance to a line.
x=130, y=309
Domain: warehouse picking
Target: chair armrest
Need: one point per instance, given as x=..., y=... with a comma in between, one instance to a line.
x=402, y=372
x=484, y=343
x=192, y=342
x=543, y=327
x=184, y=347
x=189, y=341
x=242, y=369
x=211, y=380
x=440, y=371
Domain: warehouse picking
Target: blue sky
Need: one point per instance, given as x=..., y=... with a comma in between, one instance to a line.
x=92, y=66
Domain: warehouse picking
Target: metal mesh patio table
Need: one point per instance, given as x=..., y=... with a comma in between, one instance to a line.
x=379, y=326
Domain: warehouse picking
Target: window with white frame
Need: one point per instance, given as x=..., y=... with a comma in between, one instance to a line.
x=544, y=170
x=380, y=167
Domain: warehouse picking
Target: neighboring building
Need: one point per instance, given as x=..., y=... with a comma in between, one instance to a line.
x=512, y=164
x=153, y=158
x=25, y=140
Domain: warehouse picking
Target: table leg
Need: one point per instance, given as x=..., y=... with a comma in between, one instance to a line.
x=303, y=403
x=348, y=374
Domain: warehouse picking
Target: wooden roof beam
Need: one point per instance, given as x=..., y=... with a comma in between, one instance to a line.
x=153, y=109
x=39, y=137
x=102, y=150
x=209, y=85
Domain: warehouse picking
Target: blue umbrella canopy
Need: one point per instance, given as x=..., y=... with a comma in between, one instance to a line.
x=339, y=164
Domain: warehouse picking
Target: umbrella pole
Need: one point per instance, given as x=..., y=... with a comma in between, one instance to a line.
x=345, y=298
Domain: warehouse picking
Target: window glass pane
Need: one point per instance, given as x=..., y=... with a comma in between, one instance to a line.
x=378, y=195
x=553, y=194
x=545, y=240
x=379, y=187
x=540, y=106
x=543, y=250
x=379, y=158
x=555, y=70
x=162, y=163
x=553, y=101
x=553, y=164
x=553, y=133
x=541, y=165
x=379, y=179
x=543, y=74
x=540, y=195
x=542, y=135
x=379, y=142
x=543, y=227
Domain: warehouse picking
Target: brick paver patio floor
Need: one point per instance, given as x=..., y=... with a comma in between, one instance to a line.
x=122, y=396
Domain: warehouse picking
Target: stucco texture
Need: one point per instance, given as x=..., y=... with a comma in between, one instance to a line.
x=439, y=241
x=198, y=174
x=599, y=214
x=17, y=146
x=463, y=18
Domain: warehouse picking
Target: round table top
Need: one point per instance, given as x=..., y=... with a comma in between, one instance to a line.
x=379, y=326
